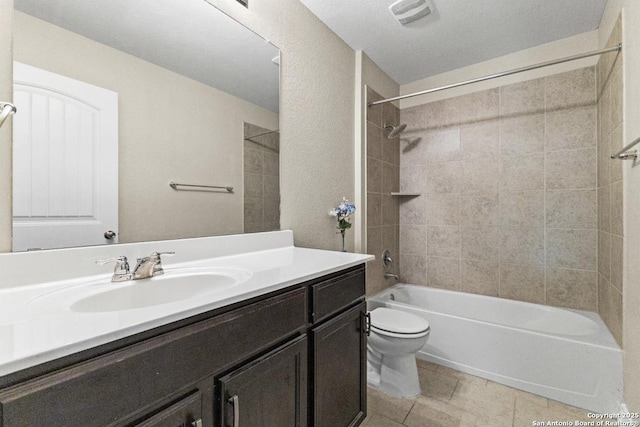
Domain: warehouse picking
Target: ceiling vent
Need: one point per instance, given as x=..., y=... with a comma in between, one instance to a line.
x=407, y=11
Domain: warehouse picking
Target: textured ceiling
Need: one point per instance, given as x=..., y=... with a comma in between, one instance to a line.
x=191, y=38
x=459, y=33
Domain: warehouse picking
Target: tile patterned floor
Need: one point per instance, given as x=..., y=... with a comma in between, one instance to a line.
x=454, y=399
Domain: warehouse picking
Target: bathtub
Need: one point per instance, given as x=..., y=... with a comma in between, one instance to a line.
x=566, y=355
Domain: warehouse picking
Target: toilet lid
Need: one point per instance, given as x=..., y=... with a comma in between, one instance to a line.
x=396, y=321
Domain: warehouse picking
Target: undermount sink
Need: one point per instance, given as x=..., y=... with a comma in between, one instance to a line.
x=174, y=285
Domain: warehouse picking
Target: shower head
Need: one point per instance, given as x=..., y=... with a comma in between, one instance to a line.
x=394, y=130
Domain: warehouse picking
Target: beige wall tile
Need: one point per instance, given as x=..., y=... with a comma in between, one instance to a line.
x=413, y=154
x=604, y=162
x=480, y=243
x=271, y=210
x=271, y=163
x=442, y=113
x=480, y=140
x=522, y=98
x=480, y=277
x=374, y=210
x=615, y=316
x=524, y=246
x=571, y=249
x=572, y=288
x=522, y=282
x=443, y=209
x=391, y=150
x=271, y=186
x=522, y=172
x=374, y=147
x=252, y=161
x=604, y=299
x=616, y=261
x=413, y=180
x=443, y=241
x=604, y=208
x=479, y=106
x=571, y=169
x=415, y=118
x=443, y=145
x=616, y=145
x=444, y=177
x=374, y=113
x=253, y=210
x=374, y=175
x=443, y=273
x=604, y=254
x=616, y=208
x=572, y=209
x=571, y=129
x=616, y=95
x=480, y=175
x=253, y=185
x=521, y=135
x=390, y=210
x=390, y=115
x=571, y=89
x=413, y=210
x=604, y=110
x=480, y=209
x=413, y=240
x=414, y=269
x=522, y=209
x=390, y=178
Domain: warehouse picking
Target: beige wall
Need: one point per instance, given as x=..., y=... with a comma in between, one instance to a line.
x=630, y=181
x=317, y=117
x=6, y=95
x=171, y=128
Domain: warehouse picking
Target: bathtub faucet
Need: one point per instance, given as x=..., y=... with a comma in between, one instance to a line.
x=391, y=276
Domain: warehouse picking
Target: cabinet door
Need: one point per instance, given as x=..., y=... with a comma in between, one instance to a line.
x=270, y=391
x=185, y=413
x=339, y=377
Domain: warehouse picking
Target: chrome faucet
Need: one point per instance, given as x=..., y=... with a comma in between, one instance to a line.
x=121, y=271
x=149, y=266
x=146, y=267
x=391, y=276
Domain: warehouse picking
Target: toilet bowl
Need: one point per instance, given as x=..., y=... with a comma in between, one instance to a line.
x=394, y=339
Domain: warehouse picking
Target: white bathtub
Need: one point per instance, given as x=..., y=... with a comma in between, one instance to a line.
x=565, y=355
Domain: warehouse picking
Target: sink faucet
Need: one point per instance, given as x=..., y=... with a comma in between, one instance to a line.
x=121, y=271
x=149, y=266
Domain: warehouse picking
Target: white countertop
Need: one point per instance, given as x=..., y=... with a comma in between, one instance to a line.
x=37, y=324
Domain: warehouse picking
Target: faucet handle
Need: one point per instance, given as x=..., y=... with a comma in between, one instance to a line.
x=163, y=253
x=121, y=270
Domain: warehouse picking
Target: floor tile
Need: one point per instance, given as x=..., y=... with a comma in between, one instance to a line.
x=433, y=413
x=437, y=385
x=391, y=407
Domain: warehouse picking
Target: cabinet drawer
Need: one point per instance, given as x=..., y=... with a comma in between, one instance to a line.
x=109, y=388
x=332, y=295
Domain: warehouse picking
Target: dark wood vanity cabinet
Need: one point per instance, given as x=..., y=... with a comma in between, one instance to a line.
x=291, y=358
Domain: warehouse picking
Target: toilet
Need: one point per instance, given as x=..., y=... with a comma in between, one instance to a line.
x=394, y=339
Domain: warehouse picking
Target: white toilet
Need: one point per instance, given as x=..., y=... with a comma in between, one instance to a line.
x=395, y=338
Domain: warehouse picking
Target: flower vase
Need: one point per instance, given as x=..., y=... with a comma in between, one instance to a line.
x=343, y=233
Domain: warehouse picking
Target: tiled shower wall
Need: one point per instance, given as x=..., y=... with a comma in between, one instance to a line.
x=610, y=234
x=261, y=179
x=508, y=203
x=382, y=178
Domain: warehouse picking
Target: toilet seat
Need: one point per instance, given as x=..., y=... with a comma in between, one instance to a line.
x=396, y=323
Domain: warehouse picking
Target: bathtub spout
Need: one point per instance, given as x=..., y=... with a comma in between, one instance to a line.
x=391, y=276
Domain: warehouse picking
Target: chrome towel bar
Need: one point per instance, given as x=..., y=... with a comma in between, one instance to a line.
x=625, y=153
x=175, y=186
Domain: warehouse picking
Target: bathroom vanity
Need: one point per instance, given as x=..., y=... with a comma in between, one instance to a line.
x=285, y=347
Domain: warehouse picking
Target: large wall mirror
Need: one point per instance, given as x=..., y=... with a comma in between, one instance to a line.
x=117, y=99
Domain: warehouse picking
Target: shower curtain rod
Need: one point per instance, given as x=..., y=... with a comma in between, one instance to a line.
x=496, y=75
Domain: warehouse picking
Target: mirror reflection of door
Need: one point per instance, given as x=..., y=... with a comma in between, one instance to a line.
x=65, y=161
